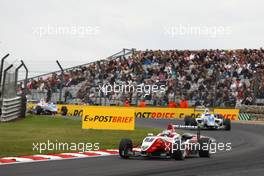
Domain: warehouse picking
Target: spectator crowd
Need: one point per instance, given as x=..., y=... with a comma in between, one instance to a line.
x=203, y=77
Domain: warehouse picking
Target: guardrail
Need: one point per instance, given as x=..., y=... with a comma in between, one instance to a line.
x=11, y=109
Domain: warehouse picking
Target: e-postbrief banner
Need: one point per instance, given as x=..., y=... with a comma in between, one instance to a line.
x=72, y=110
x=152, y=112
x=163, y=113
x=146, y=112
x=112, y=118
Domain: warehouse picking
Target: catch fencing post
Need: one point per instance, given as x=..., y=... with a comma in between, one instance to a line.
x=26, y=79
x=4, y=78
x=16, y=72
x=62, y=80
x=2, y=66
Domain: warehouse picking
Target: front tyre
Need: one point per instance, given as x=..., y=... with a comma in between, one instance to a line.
x=125, y=146
x=227, y=124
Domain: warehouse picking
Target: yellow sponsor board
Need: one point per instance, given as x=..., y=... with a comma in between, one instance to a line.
x=231, y=114
x=149, y=112
x=112, y=118
x=72, y=110
x=160, y=113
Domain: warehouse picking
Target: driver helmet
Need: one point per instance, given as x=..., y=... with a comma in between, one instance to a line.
x=166, y=132
x=207, y=111
x=42, y=101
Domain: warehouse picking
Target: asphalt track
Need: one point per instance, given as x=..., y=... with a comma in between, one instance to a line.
x=245, y=158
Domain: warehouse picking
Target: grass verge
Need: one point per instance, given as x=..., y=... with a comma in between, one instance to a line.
x=17, y=138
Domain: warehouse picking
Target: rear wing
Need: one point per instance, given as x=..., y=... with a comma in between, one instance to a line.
x=186, y=127
x=201, y=109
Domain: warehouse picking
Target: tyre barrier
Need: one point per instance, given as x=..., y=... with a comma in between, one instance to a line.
x=251, y=112
x=11, y=109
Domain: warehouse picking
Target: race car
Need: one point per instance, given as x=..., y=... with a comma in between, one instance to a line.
x=168, y=144
x=43, y=108
x=209, y=121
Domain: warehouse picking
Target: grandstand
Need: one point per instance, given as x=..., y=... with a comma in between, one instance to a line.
x=213, y=78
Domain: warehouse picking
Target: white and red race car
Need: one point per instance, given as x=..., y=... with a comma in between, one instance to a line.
x=168, y=144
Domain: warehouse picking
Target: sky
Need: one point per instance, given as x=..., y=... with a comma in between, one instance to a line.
x=81, y=31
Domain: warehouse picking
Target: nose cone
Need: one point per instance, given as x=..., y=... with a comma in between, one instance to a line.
x=144, y=147
x=210, y=121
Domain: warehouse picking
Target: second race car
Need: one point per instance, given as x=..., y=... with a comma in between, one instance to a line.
x=209, y=121
x=43, y=108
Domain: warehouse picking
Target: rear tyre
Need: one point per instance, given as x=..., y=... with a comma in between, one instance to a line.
x=38, y=110
x=193, y=122
x=125, y=146
x=187, y=120
x=205, y=147
x=227, y=124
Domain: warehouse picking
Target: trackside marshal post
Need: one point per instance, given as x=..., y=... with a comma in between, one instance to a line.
x=112, y=118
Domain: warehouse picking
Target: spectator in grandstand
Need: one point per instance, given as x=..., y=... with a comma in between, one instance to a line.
x=172, y=104
x=142, y=103
x=184, y=103
x=126, y=104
